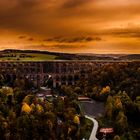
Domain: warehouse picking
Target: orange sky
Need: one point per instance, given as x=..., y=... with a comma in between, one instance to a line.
x=75, y=26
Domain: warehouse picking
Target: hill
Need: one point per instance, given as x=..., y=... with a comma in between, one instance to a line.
x=35, y=55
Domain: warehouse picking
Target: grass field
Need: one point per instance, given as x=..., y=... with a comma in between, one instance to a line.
x=27, y=57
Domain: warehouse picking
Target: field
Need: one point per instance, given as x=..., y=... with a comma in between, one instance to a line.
x=32, y=55
x=27, y=57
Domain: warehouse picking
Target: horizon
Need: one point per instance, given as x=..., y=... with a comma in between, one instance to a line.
x=70, y=52
x=71, y=26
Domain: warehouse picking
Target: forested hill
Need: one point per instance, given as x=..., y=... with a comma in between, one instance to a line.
x=11, y=54
x=131, y=57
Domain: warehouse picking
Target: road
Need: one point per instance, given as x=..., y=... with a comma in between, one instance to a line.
x=93, y=109
x=95, y=128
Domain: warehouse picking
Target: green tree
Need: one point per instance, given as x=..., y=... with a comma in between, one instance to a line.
x=77, y=90
x=137, y=102
x=109, y=110
x=121, y=122
x=2, y=80
x=109, y=99
x=117, y=137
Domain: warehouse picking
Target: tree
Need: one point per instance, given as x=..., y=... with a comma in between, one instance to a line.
x=77, y=90
x=7, y=91
x=105, y=90
x=117, y=137
x=109, y=110
x=28, y=99
x=25, y=108
x=24, y=127
x=39, y=108
x=76, y=120
x=20, y=83
x=109, y=99
x=121, y=122
x=137, y=102
x=2, y=80
x=125, y=99
x=69, y=113
x=104, y=93
x=50, y=116
x=59, y=105
x=118, y=104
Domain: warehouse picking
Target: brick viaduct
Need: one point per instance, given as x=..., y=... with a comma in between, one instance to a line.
x=62, y=71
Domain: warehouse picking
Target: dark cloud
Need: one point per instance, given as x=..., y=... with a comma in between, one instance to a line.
x=125, y=32
x=22, y=37
x=65, y=46
x=74, y=3
x=71, y=21
x=47, y=17
x=26, y=38
x=72, y=39
x=30, y=39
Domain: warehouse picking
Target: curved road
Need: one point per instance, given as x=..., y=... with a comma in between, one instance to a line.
x=95, y=128
x=93, y=109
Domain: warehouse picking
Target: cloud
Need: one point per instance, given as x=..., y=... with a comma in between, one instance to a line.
x=74, y=3
x=30, y=39
x=71, y=21
x=65, y=17
x=22, y=37
x=72, y=39
x=132, y=32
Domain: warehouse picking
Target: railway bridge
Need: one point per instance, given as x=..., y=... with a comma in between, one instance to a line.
x=62, y=71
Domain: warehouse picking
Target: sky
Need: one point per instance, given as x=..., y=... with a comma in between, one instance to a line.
x=72, y=26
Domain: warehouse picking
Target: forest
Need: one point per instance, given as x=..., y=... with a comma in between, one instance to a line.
x=25, y=117
x=118, y=86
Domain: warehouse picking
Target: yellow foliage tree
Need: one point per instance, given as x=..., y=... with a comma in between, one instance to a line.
x=105, y=90
x=76, y=119
x=118, y=103
x=39, y=108
x=26, y=108
x=7, y=90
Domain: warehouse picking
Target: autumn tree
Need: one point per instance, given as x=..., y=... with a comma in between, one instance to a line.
x=117, y=104
x=104, y=93
x=121, y=122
